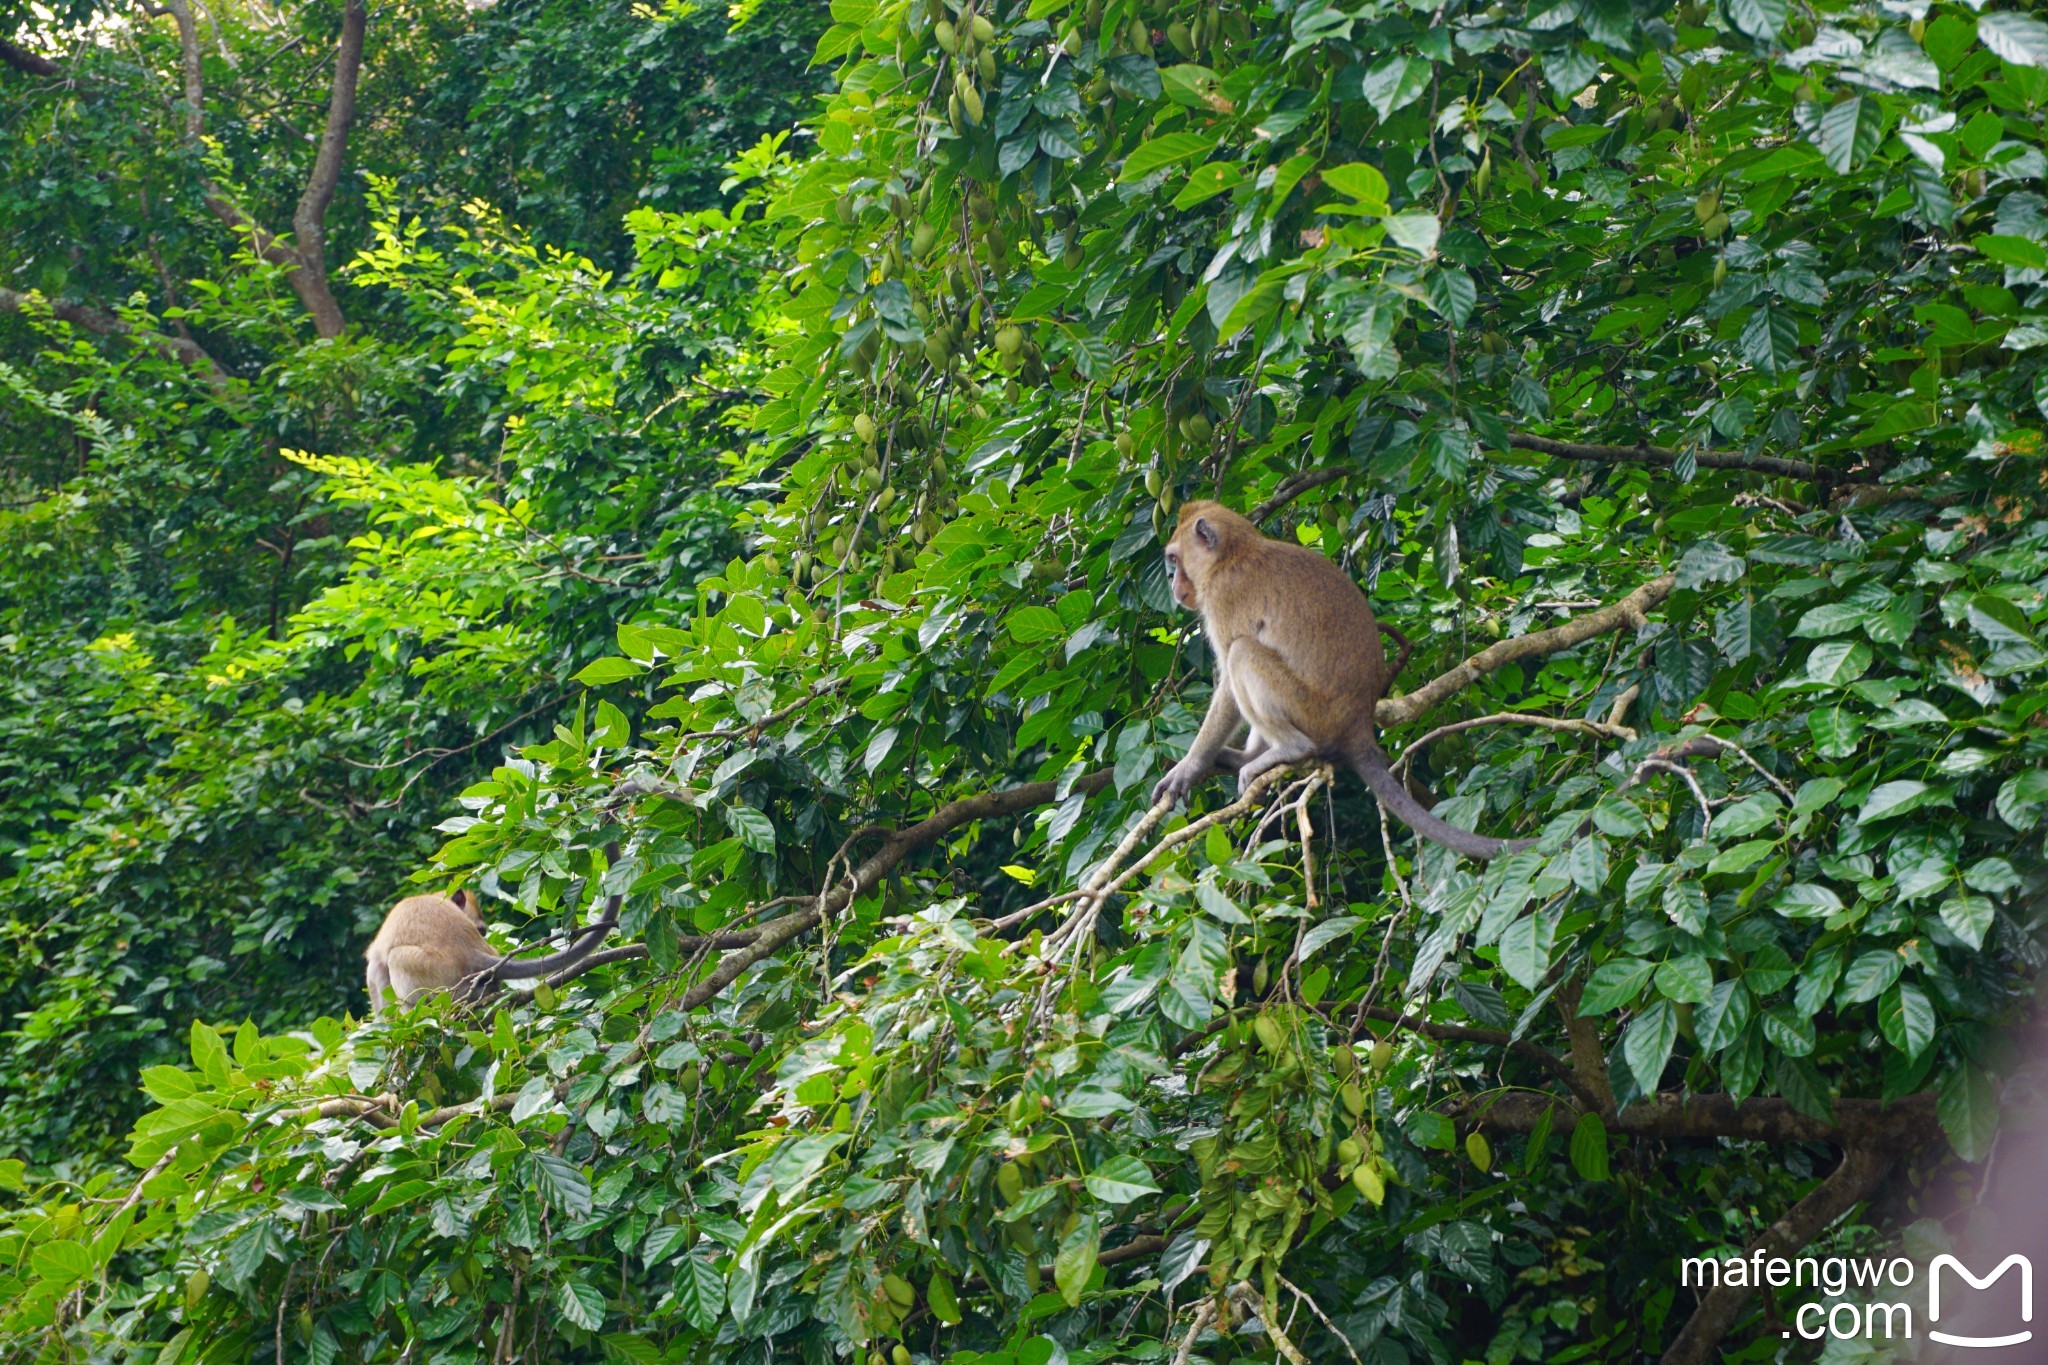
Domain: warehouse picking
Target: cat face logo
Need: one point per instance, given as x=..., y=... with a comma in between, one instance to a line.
x=2026, y=1298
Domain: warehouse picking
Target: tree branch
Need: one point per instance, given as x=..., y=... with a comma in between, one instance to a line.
x=29, y=63
x=1488, y=1037
x=305, y=260
x=897, y=845
x=309, y=221
x=1858, y=1123
x=1663, y=458
x=1629, y=611
x=180, y=349
x=1589, y=1060
x=1861, y=1171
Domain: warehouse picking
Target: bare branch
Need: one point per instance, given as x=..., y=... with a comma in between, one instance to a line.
x=309, y=222
x=1862, y=1170
x=1488, y=1037
x=29, y=63
x=1660, y=457
x=1629, y=611
x=305, y=260
x=1867, y=1123
x=100, y=323
x=896, y=845
x=1591, y=728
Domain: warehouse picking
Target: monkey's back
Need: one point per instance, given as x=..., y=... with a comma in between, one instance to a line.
x=1315, y=617
x=427, y=943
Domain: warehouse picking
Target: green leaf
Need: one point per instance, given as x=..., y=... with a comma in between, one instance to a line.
x=1162, y=152
x=1838, y=662
x=2019, y=38
x=1418, y=232
x=1869, y=976
x=1687, y=980
x=1968, y=1110
x=1831, y=619
x=700, y=1293
x=1906, y=1018
x=1849, y=132
x=1770, y=339
x=61, y=1262
x=755, y=830
x=1968, y=918
x=1646, y=1047
x=1893, y=798
x=628, y=1349
x=1523, y=954
x=598, y=672
x=2020, y=798
x=1615, y=983
x=1758, y=18
x=1360, y=181
x=1721, y=1016
x=1999, y=620
x=2023, y=253
x=581, y=1304
x=1395, y=83
x=1075, y=1262
x=1121, y=1179
x=1799, y=1081
x=1589, y=1147
x=1029, y=625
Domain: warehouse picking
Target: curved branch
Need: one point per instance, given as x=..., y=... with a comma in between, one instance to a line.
x=1861, y=1171
x=106, y=324
x=29, y=63
x=1629, y=611
x=1521, y=1047
x=897, y=845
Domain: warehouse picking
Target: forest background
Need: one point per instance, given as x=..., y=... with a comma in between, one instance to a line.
x=720, y=460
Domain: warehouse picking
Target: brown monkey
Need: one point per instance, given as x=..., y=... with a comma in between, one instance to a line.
x=1298, y=659
x=436, y=943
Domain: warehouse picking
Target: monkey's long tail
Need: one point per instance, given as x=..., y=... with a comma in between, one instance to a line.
x=1370, y=762
x=525, y=968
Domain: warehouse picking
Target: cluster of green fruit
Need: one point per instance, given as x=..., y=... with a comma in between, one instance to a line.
x=1261, y=1176
x=969, y=39
x=1191, y=39
x=895, y=1299
x=870, y=477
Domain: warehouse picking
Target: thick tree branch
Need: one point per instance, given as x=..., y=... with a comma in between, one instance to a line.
x=305, y=260
x=1589, y=1060
x=1660, y=457
x=1488, y=1037
x=309, y=222
x=101, y=323
x=1629, y=611
x=30, y=63
x=1866, y=1123
x=896, y=845
x=1861, y=1171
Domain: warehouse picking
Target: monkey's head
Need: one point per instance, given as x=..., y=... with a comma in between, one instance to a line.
x=465, y=902
x=1206, y=534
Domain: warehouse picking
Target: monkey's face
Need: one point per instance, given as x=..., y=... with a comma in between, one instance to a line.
x=1190, y=555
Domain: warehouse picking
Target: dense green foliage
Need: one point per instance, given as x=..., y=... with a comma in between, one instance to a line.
x=805, y=546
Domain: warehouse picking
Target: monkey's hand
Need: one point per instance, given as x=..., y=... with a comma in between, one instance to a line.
x=1180, y=779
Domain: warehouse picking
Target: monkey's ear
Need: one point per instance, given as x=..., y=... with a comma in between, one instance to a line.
x=1205, y=533
x=465, y=902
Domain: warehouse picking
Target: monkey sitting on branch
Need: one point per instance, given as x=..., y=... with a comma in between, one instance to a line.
x=1298, y=659
x=436, y=943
